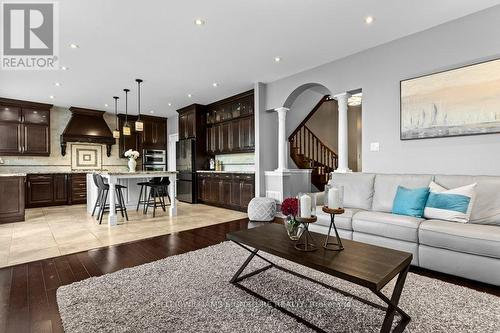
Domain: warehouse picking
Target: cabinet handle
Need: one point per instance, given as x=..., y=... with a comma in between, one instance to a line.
x=29, y=184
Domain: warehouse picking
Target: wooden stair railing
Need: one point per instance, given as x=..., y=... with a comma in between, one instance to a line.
x=309, y=152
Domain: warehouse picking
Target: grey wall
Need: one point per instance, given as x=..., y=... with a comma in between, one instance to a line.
x=266, y=139
x=324, y=124
x=173, y=125
x=378, y=71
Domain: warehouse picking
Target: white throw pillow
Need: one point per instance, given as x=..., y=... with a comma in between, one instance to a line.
x=450, y=205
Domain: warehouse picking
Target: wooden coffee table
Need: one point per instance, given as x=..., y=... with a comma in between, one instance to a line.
x=362, y=264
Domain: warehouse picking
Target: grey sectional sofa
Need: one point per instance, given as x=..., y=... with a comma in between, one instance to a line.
x=470, y=250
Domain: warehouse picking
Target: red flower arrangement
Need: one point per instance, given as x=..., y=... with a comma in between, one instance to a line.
x=290, y=206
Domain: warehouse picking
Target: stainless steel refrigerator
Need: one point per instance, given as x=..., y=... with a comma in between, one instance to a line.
x=186, y=167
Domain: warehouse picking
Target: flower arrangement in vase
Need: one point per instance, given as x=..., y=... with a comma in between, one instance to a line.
x=290, y=208
x=132, y=155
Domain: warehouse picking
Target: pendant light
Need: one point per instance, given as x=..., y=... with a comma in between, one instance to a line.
x=139, y=125
x=116, y=132
x=126, y=126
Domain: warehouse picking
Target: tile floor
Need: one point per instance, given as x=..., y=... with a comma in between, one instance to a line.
x=53, y=231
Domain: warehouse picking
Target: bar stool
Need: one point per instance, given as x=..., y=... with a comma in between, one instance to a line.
x=158, y=189
x=103, y=191
x=100, y=191
x=165, y=182
x=143, y=196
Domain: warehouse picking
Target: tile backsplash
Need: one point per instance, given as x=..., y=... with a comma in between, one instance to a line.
x=237, y=162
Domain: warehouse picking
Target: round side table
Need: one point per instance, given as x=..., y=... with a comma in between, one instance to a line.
x=333, y=246
x=306, y=242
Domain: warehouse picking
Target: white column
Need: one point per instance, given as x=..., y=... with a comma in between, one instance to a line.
x=343, y=147
x=282, y=143
x=112, y=219
x=172, y=189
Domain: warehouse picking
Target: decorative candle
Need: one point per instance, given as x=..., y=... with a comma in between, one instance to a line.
x=333, y=198
x=305, y=206
x=313, y=204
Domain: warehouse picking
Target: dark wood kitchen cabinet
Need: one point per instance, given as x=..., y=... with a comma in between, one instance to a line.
x=187, y=124
x=234, y=136
x=225, y=137
x=225, y=189
x=39, y=190
x=230, y=125
x=43, y=190
x=36, y=140
x=24, y=128
x=78, y=191
x=190, y=122
x=154, y=135
x=10, y=138
x=228, y=190
x=60, y=189
x=12, y=204
x=247, y=134
x=213, y=139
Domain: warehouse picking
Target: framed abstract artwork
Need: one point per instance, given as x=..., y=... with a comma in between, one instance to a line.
x=86, y=157
x=457, y=102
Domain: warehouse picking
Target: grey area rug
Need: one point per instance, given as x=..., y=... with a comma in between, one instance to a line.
x=191, y=293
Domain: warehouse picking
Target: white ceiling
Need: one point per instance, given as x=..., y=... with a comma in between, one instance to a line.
x=121, y=40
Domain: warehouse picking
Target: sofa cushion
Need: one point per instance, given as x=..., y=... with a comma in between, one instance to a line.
x=343, y=221
x=468, y=238
x=358, y=188
x=387, y=225
x=386, y=186
x=486, y=209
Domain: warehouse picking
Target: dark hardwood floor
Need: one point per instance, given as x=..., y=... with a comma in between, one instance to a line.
x=28, y=291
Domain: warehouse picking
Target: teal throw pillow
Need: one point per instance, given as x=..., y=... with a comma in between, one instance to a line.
x=410, y=202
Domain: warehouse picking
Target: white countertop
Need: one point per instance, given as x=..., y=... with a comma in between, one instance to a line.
x=27, y=170
x=238, y=172
x=137, y=173
x=18, y=174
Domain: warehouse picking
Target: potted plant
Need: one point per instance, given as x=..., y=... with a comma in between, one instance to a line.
x=132, y=155
x=290, y=208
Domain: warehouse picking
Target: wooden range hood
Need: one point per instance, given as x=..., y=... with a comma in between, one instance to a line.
x=87, y=126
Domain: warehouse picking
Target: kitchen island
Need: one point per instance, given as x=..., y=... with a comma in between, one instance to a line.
x=131, y=193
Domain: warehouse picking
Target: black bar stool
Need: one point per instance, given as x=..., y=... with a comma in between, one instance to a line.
x=158, y=188
x=143, y=196
x=165, y=182
x=99, y=194
x=102, y=197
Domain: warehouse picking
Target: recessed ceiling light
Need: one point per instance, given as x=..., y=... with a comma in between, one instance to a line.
x=64, y=68
x=277, y=59
x=106, y=105
x=57, y=84
x=215, y=84
x=152, y=111
x=169, y=104
x=74, y=46
x=189, y=95
x=369, y=19
x=51, y=96
x=199, y=21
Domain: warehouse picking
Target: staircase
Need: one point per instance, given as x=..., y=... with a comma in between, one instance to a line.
x=309, y=152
